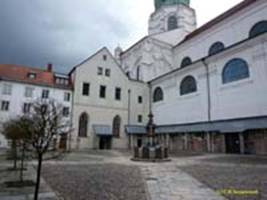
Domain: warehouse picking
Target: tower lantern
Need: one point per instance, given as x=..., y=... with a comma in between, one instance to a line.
x=159, y=3
x=172, y=15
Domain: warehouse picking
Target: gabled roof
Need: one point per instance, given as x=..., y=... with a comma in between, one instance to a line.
x=87, y=59
x=143, y=39
x=21, y=74
x=135, y=44
x=218, y=19
x=115, y=61
x=92, y=56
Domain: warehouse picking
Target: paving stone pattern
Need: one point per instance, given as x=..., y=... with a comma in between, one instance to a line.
x=240, y=178
x=96, y=182
x=167, y=182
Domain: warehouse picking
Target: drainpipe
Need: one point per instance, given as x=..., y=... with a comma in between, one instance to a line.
x=150, y=97
x=72, y=110
x=209, y=136
x=129, y=106
x=208, y=88
x=129, y=118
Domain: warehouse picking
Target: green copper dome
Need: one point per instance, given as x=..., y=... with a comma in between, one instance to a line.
x=159, y=3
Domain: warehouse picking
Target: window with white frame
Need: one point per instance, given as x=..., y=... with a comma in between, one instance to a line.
x=67, y=96
x=107, y=72
x=140, y=118
x=100, y=71
x=7, y=89
x=31, y=75
x=5, y=105
x=27, y=108
x=66, y=111
x=29, y=92
x=45, y=94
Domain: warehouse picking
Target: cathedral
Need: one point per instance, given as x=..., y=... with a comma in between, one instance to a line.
x=206, y=86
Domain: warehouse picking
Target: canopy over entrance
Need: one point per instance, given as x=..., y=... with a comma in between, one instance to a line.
x=223, y=126
x=102, y=130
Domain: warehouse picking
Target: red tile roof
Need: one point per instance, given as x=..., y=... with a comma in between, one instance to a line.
x=21, y=74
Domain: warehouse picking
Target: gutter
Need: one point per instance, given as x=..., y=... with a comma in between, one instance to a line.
x=72, y=110
x=150, y=97
x=129, y=106
x=208, y=87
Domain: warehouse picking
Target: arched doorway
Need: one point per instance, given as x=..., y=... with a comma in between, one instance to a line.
x=83, y=125
x=116, y=126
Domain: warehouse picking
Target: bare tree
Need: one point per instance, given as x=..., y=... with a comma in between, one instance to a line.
x=9, y=130
x=46, y=122
x=16, y=130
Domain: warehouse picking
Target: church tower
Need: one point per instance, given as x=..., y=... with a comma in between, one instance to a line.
x=170, y=15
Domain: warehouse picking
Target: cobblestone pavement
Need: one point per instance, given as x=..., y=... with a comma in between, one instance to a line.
x=234, y=173
x=164, y=181
x=238, y=159
x=101, y=175
x=24, y=193
x=96, y=181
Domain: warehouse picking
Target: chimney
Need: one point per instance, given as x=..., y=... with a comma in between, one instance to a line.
x=49, y=67
x=117, y=54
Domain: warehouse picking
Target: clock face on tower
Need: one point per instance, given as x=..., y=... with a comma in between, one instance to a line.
x=159, y=3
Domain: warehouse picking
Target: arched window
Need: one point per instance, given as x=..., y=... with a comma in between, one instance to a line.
x=188, y=85
x=185, y=62
x=83, y=124
x=216, y=48
x=257, y=29
x=236, y=69
x=172, y=23
x=116, y=126
x=158, y=95
x=138, y=72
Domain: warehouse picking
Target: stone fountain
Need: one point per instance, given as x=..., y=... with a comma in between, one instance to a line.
x=152, y=150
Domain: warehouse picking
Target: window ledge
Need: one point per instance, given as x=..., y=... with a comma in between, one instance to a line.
x=188, y=96
x=159, y=103
x=236, y=84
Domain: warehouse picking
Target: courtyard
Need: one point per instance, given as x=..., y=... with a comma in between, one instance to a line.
x=110, y=175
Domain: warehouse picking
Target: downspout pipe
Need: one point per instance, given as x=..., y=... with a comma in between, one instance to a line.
x=129, y=107
x=129, y=117
x=150, y=97
x=210, y=148
x=208, y=87
x=72, y=109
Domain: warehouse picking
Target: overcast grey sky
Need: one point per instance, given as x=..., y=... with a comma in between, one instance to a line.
x=65, y=32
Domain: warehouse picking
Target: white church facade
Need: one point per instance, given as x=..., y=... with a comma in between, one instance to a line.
x=206, y=87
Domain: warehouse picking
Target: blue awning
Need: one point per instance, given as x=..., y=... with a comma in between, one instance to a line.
x=223, y=126
x=102, y=130
x=135, y=130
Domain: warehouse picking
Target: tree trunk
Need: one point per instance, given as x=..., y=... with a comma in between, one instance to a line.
x=14, y=148
x=40, y=159
x=22, y=162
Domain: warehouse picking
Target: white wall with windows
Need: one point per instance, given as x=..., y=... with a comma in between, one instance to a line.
x=16, y=99
x=237, y=81
x=230, y=31
x=103, y=93
x=183, y=101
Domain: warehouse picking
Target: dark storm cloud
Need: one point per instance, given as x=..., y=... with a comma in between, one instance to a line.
x=64, y=32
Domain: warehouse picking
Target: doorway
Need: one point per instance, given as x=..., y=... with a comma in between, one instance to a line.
x=105, y=142
x=232, y=143
x=139, y=142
